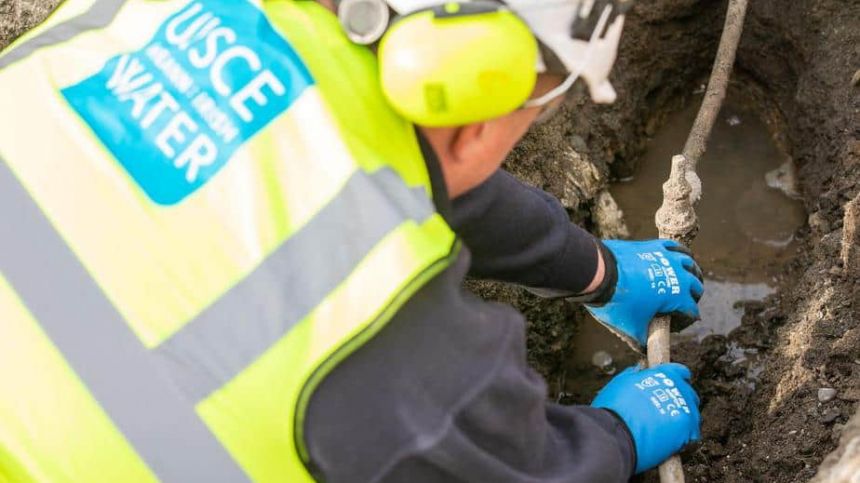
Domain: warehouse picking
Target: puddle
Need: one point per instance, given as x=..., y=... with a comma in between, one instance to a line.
x=747, y=219
x=586, y=373
x=722, y=307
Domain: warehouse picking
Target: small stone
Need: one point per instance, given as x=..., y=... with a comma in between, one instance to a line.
x=826, y=394
x=855, y=79
x=608, y=217
x=733, y=120
x=829, y=416
x=818, y=223
x=603, y=361
x=578, y=144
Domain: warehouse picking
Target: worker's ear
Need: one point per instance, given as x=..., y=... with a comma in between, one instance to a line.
x=471, y=143
x=329, y=4
x=489, y=142
x=470, y=154
x=466, y=155
x=486, y=142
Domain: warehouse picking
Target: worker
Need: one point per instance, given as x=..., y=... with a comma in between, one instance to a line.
x=234, y=235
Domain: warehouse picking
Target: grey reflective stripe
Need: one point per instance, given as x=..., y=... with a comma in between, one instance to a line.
x=237, y=329
x=99, y=15
x=140, y=389
x=156, y=419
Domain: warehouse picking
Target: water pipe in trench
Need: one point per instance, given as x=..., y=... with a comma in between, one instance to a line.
x=676, y=218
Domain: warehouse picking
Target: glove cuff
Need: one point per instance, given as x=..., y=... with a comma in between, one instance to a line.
x=604, y=292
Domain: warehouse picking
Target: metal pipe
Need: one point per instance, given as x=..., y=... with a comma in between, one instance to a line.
x=676, y=218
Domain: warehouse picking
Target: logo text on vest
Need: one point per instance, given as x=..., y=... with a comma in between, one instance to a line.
x=175, y=111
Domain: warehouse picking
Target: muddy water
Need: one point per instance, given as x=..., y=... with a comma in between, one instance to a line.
x=746, y=215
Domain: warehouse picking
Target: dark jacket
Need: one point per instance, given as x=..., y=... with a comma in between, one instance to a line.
x=443, y=392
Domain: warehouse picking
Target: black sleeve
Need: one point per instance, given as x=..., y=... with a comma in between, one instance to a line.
x=523, y=235
x=443, y=393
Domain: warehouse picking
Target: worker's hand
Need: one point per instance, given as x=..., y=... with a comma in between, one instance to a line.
x=659, y=407
x=646, y=279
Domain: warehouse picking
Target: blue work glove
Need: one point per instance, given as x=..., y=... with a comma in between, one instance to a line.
x=659, y=407
x=644, y=279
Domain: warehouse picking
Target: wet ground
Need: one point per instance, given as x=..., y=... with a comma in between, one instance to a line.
x=747, y=218
x=747, y=221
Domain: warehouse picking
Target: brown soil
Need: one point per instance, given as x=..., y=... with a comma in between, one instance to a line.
x=575, y=155
x=802, y=55
x=17, y=16
x=799, y=58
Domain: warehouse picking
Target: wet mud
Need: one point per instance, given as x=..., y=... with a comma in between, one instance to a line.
x=747, y=217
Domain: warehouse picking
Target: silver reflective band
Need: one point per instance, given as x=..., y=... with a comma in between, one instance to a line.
x=146, y=407
x=244, y=323
x=150, y=395
x=99, y=15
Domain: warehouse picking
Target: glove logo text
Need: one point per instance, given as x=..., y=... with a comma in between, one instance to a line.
x=662, y=275
x=665, y=397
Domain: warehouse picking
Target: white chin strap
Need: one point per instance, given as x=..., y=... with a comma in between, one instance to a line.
x=551, y=21
x=402, y=7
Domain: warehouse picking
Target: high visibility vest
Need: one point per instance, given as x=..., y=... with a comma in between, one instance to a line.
x=205, y=205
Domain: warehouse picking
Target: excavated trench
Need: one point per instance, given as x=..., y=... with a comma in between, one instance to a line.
x=795, y=94
x=781, y=322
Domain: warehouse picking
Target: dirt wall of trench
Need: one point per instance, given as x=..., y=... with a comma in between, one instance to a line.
x=804, y=55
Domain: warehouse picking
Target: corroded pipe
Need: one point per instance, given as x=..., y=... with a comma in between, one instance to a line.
x=676, y=218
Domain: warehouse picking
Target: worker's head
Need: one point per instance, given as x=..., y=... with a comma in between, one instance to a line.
x=474, y=75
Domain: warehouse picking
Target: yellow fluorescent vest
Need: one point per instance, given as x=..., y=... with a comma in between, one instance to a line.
x=204, y=206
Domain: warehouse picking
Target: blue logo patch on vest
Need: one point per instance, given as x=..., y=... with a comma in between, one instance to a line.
x=174, y=112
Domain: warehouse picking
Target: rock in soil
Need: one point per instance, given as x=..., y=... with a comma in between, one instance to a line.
x=826, y=394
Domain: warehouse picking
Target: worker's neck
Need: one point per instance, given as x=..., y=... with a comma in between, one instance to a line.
x=437, y=179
